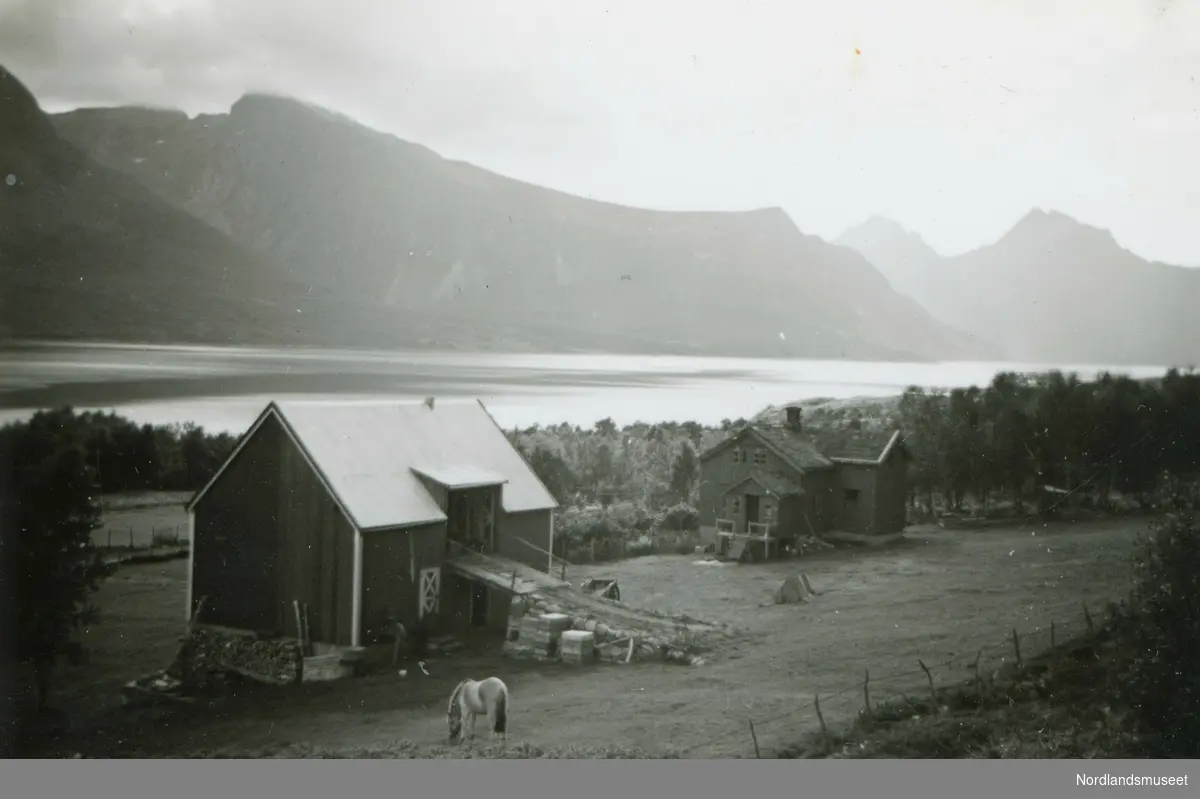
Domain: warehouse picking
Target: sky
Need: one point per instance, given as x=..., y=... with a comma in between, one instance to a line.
x=952, y=117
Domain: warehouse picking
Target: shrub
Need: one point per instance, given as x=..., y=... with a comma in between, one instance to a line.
x=1161, y=628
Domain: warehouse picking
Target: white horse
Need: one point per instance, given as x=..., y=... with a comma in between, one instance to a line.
x=474, y=698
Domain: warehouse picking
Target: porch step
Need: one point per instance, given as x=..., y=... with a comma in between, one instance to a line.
x=737, y=549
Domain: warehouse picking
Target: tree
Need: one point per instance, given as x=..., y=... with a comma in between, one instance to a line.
x=684, y=471
x=55, y=566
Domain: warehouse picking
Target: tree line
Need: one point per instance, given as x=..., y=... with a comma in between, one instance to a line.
x=126, y=456
x=1008, y=440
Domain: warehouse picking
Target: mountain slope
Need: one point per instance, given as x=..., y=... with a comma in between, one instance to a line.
x=1051, y=290
x=87, y=252
x=380, y=221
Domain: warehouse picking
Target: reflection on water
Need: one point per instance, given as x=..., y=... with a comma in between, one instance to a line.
x=225, y=388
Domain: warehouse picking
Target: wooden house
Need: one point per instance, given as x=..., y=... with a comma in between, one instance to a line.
x=767, y=485
x=368, y=514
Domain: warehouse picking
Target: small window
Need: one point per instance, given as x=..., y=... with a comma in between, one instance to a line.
x=769, y=513
x=735, y=505
x=760, y=457
x=739, y=455
x=852, y=495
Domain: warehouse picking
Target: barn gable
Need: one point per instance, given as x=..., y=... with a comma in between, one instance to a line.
x=374, y=458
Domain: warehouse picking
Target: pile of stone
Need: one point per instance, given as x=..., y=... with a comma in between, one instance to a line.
x=207, y=652
x=578, y=647
x=536, y=628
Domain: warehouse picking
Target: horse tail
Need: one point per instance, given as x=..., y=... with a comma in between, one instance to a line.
x=454, y=698
x=501, y=725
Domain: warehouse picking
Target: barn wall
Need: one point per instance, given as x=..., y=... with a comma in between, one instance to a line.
x=315, y=552
x=858, y=516
x=532, y=527
x=891, y=496
x=267, y=533
x=236, y=538
x=392, y=563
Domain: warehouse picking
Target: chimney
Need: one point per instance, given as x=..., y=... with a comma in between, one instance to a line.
x=429, y=402
x=793, y=419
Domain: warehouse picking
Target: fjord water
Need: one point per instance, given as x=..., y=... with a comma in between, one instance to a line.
x=225, y=388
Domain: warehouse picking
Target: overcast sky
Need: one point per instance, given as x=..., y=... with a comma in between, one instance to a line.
x=952, y=117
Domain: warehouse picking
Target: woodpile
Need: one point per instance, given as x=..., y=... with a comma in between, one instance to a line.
x=207, y=652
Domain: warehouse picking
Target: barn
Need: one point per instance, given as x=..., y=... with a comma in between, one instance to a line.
x=368, y=513
x=766, y=485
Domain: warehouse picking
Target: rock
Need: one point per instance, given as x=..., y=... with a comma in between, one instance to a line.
x=601, y=630
x=590, y=625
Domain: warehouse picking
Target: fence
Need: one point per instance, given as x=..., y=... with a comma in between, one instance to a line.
x=847, y=702
x=665, y=542
x=134, y=537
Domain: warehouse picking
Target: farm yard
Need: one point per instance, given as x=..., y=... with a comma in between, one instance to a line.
x=934, y=596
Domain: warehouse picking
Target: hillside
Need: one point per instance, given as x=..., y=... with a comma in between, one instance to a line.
x=87, y=252
x=1051, y=290
x=382, y=222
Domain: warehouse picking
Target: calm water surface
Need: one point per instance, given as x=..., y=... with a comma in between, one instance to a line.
x=225, y=388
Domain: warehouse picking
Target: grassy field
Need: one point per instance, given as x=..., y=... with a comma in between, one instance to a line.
x=939, y=595
x=132, y=520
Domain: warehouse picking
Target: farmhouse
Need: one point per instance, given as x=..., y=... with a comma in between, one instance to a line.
x=767, y=485
x=368, y=514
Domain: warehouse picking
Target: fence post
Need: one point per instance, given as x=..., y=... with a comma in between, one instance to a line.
x=1016, y=639
x=932, y=689
x=754, y=737
x=821, y=717
x=867, y=691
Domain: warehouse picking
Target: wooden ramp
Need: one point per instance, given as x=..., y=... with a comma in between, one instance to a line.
x=737, y=549
x=501, y=573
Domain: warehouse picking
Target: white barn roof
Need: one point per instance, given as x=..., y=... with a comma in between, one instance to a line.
x=369, y=455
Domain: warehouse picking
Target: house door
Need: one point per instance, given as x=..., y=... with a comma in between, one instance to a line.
x=430, y=592
x=751, y=510
x=479, y=605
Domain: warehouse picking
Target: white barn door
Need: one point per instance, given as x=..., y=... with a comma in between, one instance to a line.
x=430, y=591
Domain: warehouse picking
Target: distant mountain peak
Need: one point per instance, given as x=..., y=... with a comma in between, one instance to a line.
x=879, y=229
x=1044, y=224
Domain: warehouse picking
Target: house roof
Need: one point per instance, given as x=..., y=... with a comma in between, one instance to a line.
x=365, y=453
x=773, y=483
x=848, y=443
x=816, y=448
x=798, y=449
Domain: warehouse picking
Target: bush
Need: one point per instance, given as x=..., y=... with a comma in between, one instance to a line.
x=1161, y=628
x=681, y=517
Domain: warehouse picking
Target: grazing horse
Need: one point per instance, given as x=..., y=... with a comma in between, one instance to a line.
x=474, y=698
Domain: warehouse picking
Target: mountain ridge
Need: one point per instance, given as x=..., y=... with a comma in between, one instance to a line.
x=1050, y=289
x=385, y=222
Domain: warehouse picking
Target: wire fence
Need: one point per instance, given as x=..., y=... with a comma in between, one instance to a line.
x=840, y=704
x=140, y=537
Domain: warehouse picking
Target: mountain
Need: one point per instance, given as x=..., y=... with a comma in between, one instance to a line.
x=1051, y=290
x=87, y=252
x=443, y=245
